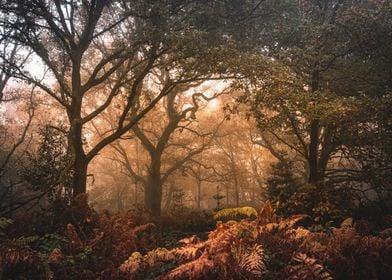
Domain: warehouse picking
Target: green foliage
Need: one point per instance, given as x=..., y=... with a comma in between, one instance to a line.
x=50, y=241
x=289, y=195
x=329, y=68
x=281, y=185
x=236, y=213
x=49, y=170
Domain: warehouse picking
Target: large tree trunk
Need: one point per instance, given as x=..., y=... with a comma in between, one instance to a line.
x=78, y=157
x=153, y=191
x=80, y=161
x=80, y=175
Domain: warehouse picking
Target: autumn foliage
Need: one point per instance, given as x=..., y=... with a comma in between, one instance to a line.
x=267, y=247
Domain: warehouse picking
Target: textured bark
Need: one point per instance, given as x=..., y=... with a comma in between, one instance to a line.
x=75, y=139
x=153, y=191
x=79, y=160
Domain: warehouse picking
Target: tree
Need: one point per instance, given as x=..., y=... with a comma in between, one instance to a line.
x=235, y=163
x=15, y=132
x=314, y=94
x=317, y=105
x=171, y=136
x=202, y=171
x=107, y=49
x=44, y=170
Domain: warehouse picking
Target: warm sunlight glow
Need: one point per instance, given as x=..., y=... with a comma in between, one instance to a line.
x=184, y=139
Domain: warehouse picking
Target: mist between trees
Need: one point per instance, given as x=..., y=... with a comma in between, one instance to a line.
x=139, y=101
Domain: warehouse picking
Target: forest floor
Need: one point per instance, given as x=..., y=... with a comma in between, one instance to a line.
x=192, y=245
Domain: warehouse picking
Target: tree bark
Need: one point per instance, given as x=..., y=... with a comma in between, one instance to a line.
x=78, y=156
x=75, y=140
x=80, y=175
x=153, y=191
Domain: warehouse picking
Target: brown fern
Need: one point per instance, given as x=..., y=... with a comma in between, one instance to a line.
x=252, y=262
x=266, y=214
x=158, y=255
x=187, y=253
x=307, y=268
x=133, y=264
x=201, y=268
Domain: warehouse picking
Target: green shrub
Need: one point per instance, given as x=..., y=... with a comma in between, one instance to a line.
x=236, y=214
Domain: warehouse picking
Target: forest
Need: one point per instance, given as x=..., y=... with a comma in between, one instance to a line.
x=196, y=139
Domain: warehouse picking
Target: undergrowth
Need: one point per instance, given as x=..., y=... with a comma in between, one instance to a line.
x=267, y=247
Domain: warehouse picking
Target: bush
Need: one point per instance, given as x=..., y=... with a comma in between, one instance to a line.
x=236, y=214
x=189, y=220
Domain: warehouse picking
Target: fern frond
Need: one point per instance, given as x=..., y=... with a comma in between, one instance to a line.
x=24, y=241
x=137, y=261
x=133, y=263
x=291, y=221
x=267, y=214
x=252, y=262
x=158, y=255
x=308, y=268
x=186, y=253
x=197, y=269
